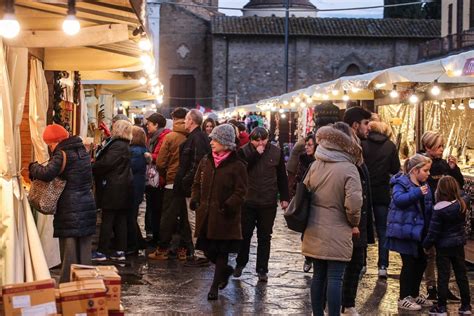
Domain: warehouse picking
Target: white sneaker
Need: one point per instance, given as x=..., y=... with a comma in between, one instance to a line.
x=350, y=311
x=422, y=301
x=383, y=272
x=408, y=303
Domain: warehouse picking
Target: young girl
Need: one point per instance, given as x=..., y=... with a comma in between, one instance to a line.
x=407, y=224
x=447, y=234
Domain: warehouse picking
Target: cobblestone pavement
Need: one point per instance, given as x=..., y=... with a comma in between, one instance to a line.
x=169, y=288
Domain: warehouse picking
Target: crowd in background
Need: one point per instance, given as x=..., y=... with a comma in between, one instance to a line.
x=211, y=185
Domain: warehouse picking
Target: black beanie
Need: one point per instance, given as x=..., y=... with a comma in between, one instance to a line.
x=325, y=113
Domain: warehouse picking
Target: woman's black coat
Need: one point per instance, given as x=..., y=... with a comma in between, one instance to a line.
x=113, y=176
x=76, y=212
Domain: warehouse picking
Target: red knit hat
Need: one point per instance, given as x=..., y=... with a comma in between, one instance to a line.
x=54, y=134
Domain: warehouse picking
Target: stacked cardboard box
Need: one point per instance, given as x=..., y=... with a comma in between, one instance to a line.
x=110, y=276
x=31, y=298
x=83, y=297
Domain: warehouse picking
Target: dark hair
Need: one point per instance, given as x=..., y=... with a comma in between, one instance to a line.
x=259, y=133
x=208, y=120
x=241, y=127
x=179, y=113
x=157, y=118
x=312, y=137
x=448, y=190
x=356, y=115
x=343, y=127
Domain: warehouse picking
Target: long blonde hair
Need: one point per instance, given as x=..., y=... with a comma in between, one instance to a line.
x=417, y=161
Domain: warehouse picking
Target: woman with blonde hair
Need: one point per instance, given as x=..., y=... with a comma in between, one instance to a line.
x=381, y=158
x=407, y=224
x=114, y=190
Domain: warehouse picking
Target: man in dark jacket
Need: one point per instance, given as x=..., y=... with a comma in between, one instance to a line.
x=358, y=119
x=191, y=152
x=381, y=158
x=266, y=179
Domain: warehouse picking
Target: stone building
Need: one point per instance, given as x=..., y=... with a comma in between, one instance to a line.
x=216, y=60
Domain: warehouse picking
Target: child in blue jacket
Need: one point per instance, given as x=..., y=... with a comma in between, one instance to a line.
x=407, y=225
x=447, y=234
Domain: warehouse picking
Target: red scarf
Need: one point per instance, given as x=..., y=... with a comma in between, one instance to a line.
x=219, y=158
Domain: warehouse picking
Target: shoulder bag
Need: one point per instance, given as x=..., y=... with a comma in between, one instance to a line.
x=44, y=196
x=297, y=212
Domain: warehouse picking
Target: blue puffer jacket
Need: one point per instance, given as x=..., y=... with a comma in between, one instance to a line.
x=138, y=164
x=407, y=224
x=447, y=226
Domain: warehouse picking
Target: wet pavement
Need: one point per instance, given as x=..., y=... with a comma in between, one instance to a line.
x=168, y=288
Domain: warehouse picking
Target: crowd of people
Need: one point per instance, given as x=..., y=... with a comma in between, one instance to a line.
x=213, y=184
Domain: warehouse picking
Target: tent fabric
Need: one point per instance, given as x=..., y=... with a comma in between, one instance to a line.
x=21, y=254
x=83, y=109
x=88, y=36
x=38, y=108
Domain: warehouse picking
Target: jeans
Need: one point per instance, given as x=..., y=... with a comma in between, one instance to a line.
x=74, y=250
x=445, y=258
x=263, y=219
x=154, y=206
x=174, y=218
x=412, y=274
x=380, y=213
x=114, y=222
x=351, y=277
x=327, y=276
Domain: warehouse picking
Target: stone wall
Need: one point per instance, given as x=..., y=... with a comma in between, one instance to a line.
x=253, y=67
x=185, y=50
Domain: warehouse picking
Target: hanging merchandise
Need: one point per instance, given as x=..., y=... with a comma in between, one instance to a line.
x=57, y=98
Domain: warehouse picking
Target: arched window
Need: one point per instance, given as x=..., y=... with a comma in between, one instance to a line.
x=352, y=70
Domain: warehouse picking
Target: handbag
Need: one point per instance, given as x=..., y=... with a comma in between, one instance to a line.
x=297, y=212
x=152, y=176
x=44, y=196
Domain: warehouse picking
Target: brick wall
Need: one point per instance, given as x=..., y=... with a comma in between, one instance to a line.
x=255, y=68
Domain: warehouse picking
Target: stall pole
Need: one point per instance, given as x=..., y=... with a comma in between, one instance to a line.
x=287, y=31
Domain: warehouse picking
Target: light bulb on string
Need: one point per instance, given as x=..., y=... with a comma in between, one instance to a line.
x=471, y=103
x=453, y=106
x=461, y=105
x=335, y=92
x=281, y=110
x=144, y=44
x=394, y=93
x=302, y=104
x=413, y=99
x=146, y=60
x=71, y=25
x=292, y=104
x=297, y=99
x=345, y=97
x=9, y=26
x=142, y=81
x=283, y=115
x=325, y=97
x=435, y=90
x=285, y=102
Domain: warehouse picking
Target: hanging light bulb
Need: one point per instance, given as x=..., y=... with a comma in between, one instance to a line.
x=325, y=97
x=144, y=44
x=297, y=99
x=292, y=104
x=146, y=60
x=142, y=81
x=335, y=92
x=281, y=110
x=302, y=104
x=461, y=105
x=71, y=25
x=394, y=92
x=443, y=105
x=355, y=89
x=9, y=26
x=453, y=106
x=285, y=102
x=413, y=99
x=283, y=115
x=345, y=97
x=471, y=103
x=435, y=90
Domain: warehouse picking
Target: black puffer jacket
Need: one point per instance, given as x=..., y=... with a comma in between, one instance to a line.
x=447, y=226
x=381, y=158
x=76, y=212
x=113, y=176
x=366, y=220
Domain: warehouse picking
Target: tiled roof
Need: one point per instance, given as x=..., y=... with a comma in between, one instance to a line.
x=340, y=27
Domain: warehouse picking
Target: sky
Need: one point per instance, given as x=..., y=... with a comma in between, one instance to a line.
x=322, y=4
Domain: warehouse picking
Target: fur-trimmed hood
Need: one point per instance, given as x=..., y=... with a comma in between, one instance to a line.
x=337, y=145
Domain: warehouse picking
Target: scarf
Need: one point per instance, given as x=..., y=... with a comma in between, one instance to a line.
x=220, y=157
x=154, y=139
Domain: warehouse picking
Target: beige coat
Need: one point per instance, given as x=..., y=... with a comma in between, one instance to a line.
x=336, y=199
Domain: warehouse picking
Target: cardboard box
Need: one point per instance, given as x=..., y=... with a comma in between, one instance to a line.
x=112, y=281
x=30, y=298
x=120, y=312
x=83, y=297
x=58, y=301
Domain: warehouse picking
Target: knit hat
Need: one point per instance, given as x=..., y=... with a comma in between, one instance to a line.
x=325, y=113
x=225, y=135
x=54, y=134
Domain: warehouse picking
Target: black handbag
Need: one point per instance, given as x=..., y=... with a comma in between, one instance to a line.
x=297, y=212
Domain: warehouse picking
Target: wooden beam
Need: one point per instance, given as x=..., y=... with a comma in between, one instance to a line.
x=104, y=14
x=109, y=5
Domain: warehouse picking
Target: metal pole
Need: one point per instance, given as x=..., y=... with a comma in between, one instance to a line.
x=287, y=31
